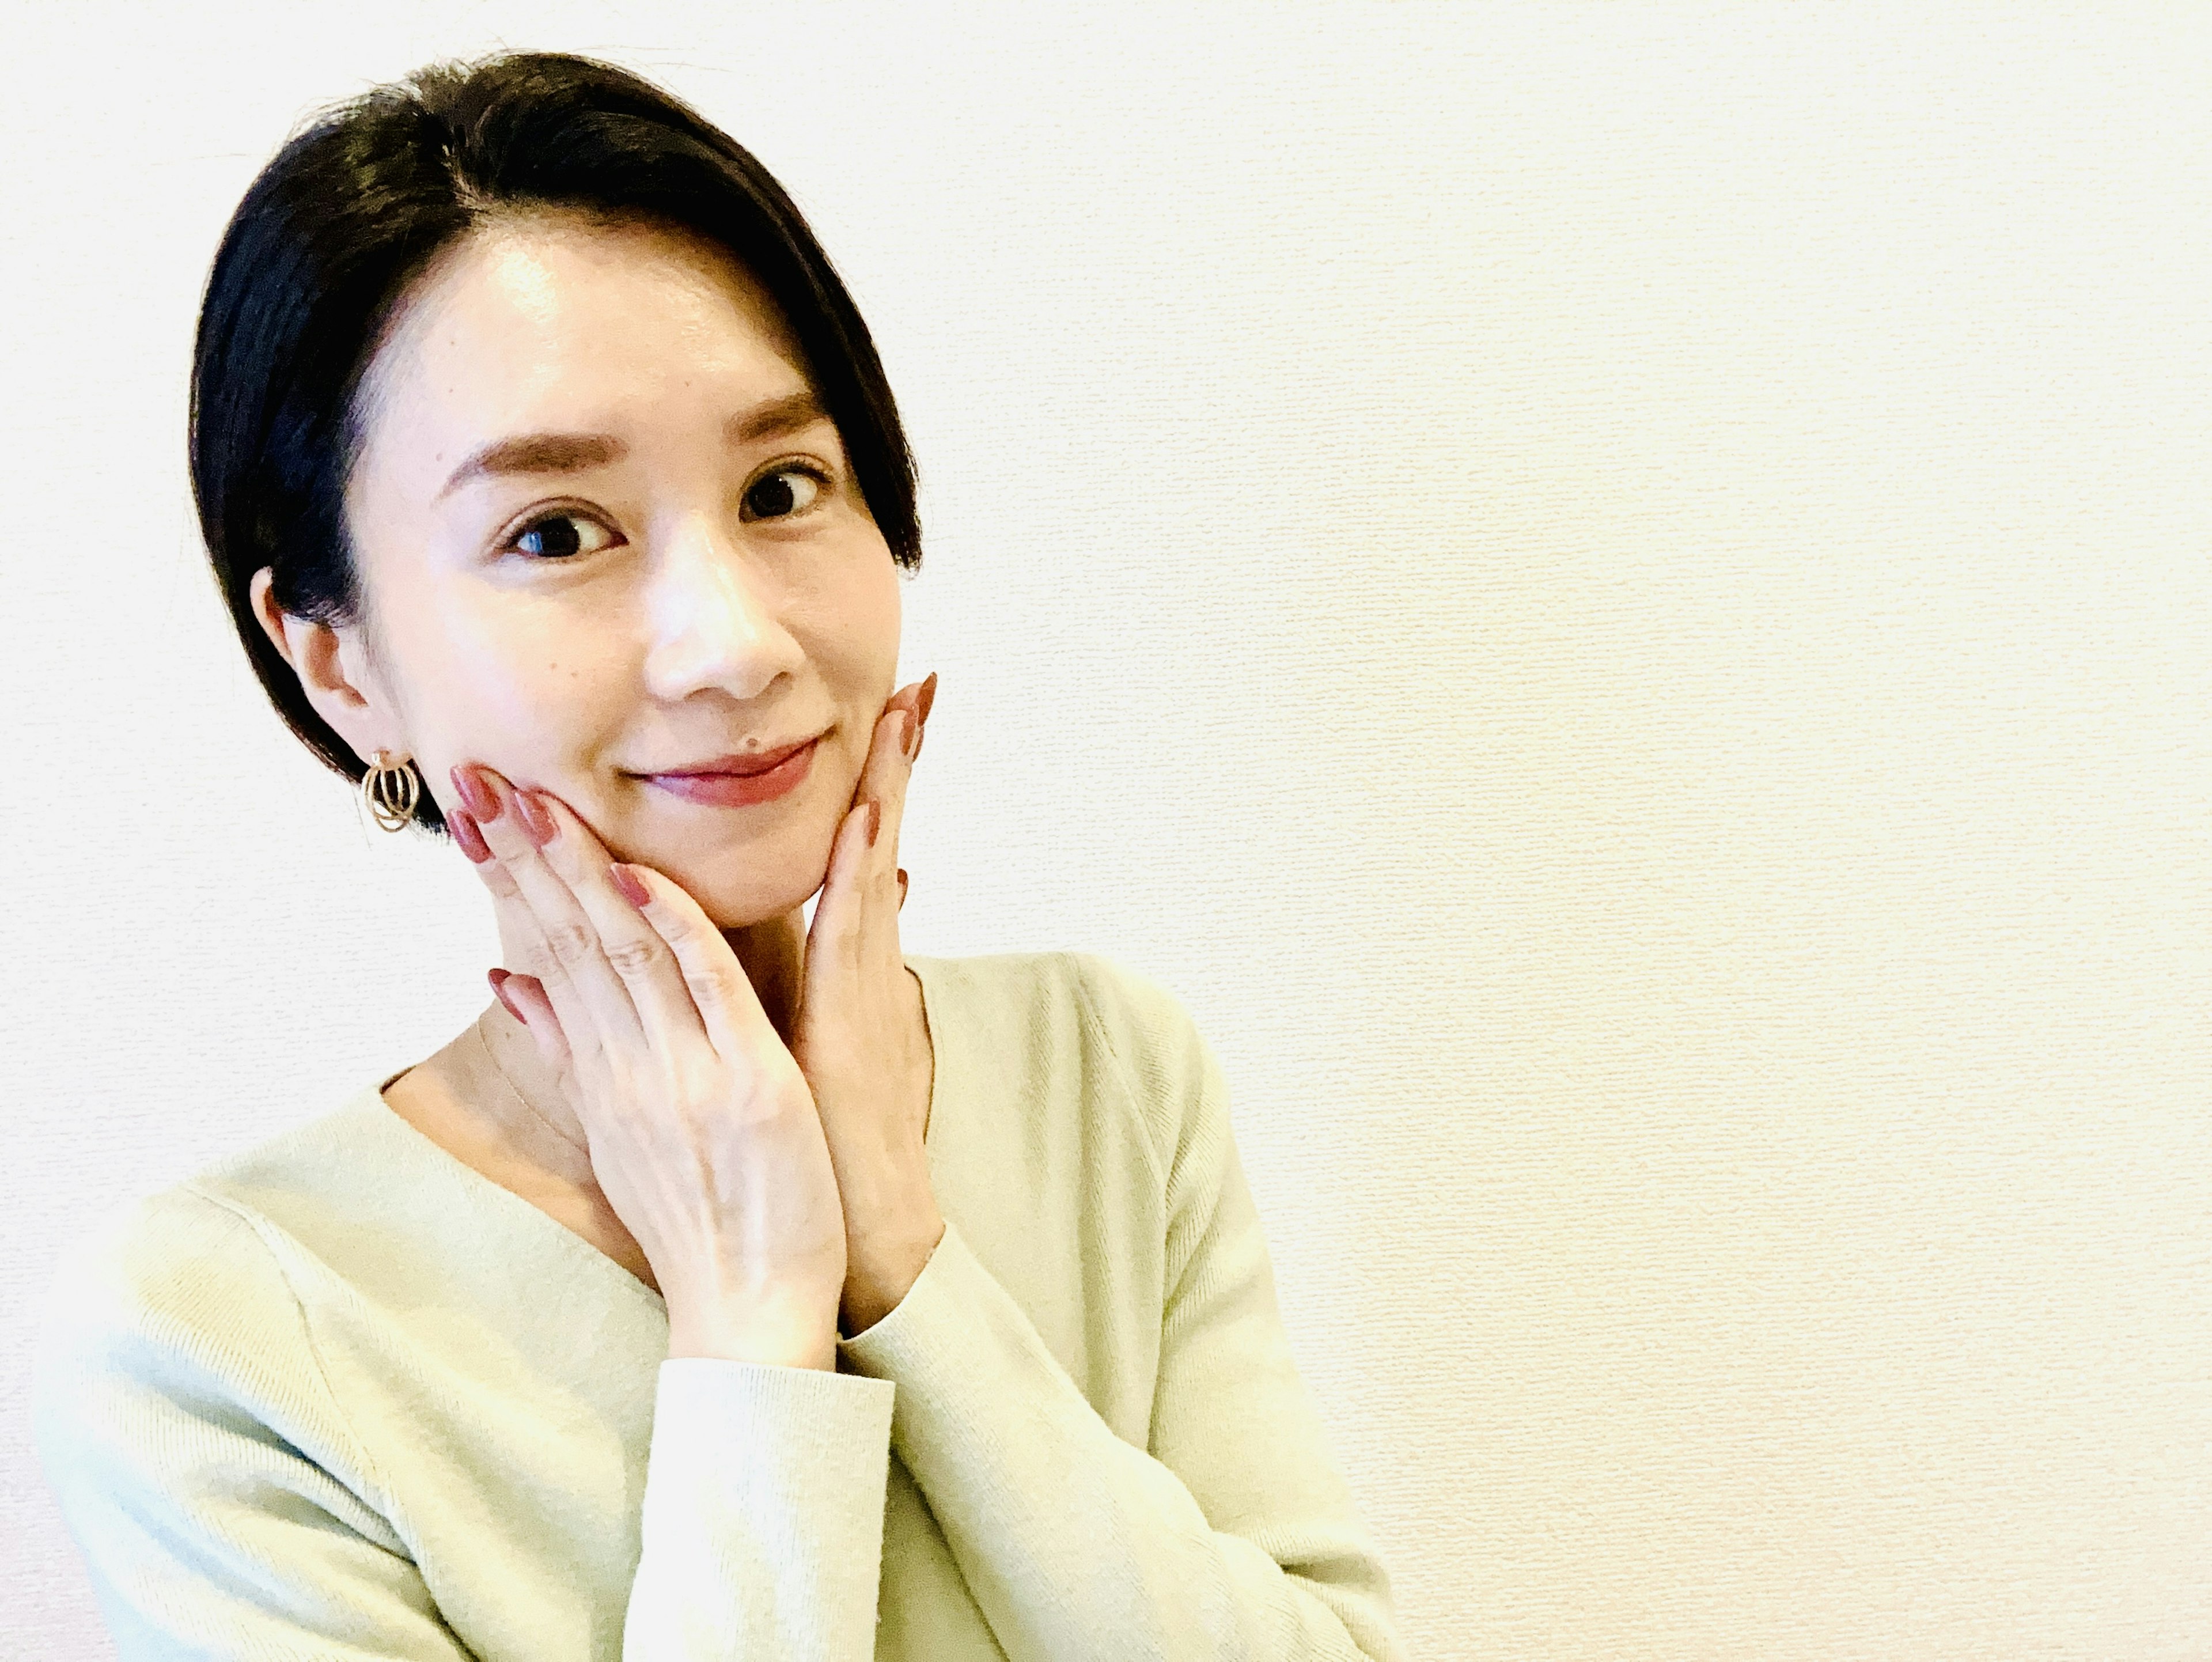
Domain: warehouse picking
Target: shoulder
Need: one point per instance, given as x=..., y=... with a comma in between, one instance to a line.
x=153, y=1255
x=1014, y=989
x=178, y=1280
x=1138, y=1014
x=172, y=1310
x=196, y=1287
x=179, y=1405
x=1082, y=1019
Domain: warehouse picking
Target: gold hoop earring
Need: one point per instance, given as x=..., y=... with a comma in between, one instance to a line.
x=390, y=792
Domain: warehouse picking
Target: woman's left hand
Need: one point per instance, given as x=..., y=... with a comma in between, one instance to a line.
x=866, y=1059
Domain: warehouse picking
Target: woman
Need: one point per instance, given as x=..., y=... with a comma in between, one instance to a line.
x=734, y=1286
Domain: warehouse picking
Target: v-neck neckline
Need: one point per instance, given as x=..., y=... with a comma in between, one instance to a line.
x=497, y=1195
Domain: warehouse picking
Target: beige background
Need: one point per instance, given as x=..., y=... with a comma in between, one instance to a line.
x=1615, y=596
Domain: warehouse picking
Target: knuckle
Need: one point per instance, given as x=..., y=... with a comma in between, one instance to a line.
x=570, y=941
x=710, y=983
x=538, y=961
x=634, y=956
x=500, y=881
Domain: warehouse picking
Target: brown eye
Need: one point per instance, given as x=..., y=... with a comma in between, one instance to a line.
x=774, y=496
x=556, y=537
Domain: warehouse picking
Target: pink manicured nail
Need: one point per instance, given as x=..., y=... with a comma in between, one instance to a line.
x=627, y=880
x=498, y=979
x=538, y=822
x=928, y=697
x=907, y=735
x=466, y=836
x=482, y=801
x=875, y=821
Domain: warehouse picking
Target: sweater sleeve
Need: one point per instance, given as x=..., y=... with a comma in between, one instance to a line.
x=763, y=1514
x=1234, y=1535
x=225, y=1511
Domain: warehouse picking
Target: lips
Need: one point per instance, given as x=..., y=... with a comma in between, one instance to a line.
x=743, y=767
x=742, y=790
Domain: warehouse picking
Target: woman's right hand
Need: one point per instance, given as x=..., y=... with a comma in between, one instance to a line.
x=702, y=1131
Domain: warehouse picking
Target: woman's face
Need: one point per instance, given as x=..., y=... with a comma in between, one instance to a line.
x=605, y=534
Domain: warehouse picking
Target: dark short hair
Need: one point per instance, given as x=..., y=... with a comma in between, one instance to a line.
x=356, y=204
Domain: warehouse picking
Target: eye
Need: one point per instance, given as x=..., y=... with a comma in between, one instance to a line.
x=774, y=496
x=553, y=536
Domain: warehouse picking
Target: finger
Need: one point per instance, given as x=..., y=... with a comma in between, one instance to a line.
x=924, y=702
x=720, y=991
x=861, y=888
x=835, y=938
x=526, y=1000
x=559, y=945
x=518, y=928
x=659, y=993
x=884, y=779
x=883, y=878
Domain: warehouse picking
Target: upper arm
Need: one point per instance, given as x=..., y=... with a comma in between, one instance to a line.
x=188, y=1435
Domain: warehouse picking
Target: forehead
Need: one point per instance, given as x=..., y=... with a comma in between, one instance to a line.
x=553, y=317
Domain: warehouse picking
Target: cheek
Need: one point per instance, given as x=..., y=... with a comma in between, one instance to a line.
x=542, y=698
x=848, y=619
x=526, y=681
x=870, y=603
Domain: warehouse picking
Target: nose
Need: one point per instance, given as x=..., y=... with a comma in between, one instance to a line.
x=715, y=617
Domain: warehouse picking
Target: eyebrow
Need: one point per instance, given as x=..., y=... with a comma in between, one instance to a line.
x=572, y=453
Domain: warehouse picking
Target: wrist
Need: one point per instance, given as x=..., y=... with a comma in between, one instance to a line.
x=815, y=1350
x=881, y=1277
x=803, y=1334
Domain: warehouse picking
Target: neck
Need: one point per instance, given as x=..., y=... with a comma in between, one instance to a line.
x=499, y=1073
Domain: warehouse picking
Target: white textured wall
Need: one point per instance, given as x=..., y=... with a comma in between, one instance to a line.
x=1616, y=596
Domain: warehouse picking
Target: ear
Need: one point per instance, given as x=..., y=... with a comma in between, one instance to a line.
x=333, y=667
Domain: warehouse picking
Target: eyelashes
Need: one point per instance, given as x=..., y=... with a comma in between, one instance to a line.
x=554, y=537
x=814, y=475
x=541, y=531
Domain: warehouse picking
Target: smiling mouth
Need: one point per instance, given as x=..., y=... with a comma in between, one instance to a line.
x=738, y=767
x=739, y=790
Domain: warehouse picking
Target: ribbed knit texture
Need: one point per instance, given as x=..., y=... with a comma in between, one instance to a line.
x=343, y=1396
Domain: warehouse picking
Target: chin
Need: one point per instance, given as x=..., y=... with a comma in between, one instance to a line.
x=741, y=904
x=742, y=875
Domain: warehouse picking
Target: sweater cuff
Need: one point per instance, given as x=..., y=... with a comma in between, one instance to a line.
x=780, y=1421
x=763, y=1510
x=934, y=1334
x=917, y=1324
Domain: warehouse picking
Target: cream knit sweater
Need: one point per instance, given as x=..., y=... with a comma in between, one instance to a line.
x=343, y=1396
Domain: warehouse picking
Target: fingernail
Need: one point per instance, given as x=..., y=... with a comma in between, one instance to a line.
x=498, y=979
x=634, y=891
x=482, y=801
x=463, y=825
x=907, y=733
x=538, y=822
x=875, y=821
x=902, y=886
x=929, y=695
